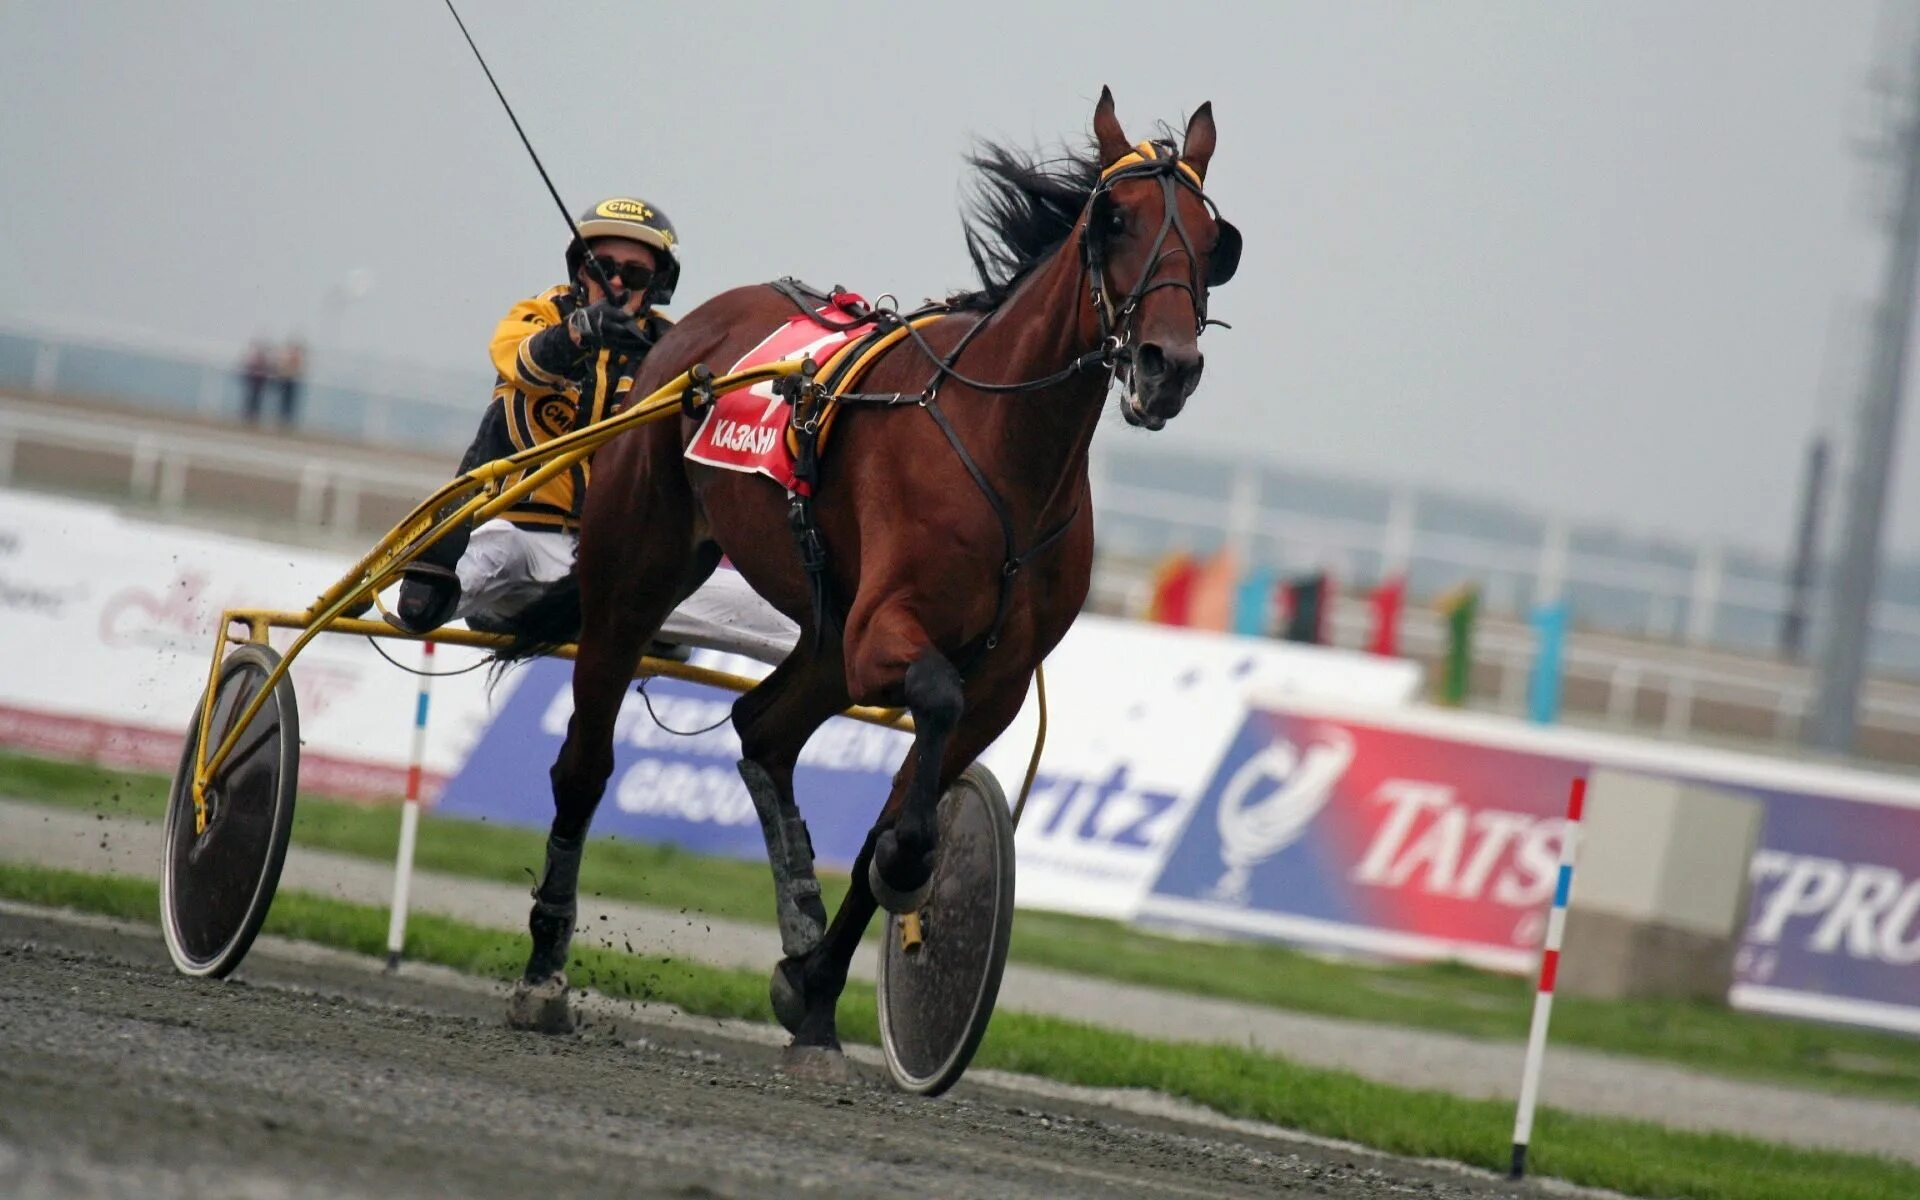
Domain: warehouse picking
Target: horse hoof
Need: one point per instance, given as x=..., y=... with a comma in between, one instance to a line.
x=789, y=1000
x=816, y=1064
x=897, y=900
x=540, y=1007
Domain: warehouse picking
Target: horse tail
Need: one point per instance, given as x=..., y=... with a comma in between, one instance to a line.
x=551, y=621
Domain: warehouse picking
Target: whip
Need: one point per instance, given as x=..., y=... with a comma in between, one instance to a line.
x=593, y=263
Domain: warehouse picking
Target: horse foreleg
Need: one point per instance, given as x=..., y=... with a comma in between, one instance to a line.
x=806, y=990
x=901, y=869
x=774, y=721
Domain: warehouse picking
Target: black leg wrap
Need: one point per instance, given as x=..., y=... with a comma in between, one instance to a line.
x=552, y=929
x=801, y=912
x=560, y=882
x=554, y=908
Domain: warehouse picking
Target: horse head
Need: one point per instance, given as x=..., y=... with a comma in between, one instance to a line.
x=1153, y=244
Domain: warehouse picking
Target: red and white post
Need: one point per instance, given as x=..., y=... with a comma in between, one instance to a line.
x=409, y=816
x=1543, y=998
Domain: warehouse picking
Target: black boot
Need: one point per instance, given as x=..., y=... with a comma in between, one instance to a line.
x=429, y=588
x=429, y=595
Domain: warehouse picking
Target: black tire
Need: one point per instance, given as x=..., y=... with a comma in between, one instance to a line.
x=935, y=1002
x=216, y=887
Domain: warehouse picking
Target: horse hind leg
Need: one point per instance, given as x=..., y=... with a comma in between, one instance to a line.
x=579, y=776
x=626, y=592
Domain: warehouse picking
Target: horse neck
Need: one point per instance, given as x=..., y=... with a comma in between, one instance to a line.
x=1037, y=441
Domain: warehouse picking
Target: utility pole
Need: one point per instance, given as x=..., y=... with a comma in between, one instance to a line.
x=1848, y=620
x=1806, y=542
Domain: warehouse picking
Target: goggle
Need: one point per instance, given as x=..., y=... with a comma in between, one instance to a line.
x=635, y=277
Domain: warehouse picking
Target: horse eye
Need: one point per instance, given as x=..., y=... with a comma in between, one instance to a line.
x=1116, y=221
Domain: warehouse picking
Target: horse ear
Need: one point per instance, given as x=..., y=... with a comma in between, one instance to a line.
x=1200, y=136
x=1106, y=130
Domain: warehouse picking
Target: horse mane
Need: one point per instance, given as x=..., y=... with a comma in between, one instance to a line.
x=1021, y=209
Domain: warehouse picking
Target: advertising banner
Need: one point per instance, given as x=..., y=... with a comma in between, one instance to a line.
x=1349, y=834
x=1137, y=716
x=107, y=630
x=1834, y=930
x=1419, y=834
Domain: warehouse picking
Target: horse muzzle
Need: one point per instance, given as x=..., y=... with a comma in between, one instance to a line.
x=1160, y=383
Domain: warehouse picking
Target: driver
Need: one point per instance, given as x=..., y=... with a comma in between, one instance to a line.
x=565, y=358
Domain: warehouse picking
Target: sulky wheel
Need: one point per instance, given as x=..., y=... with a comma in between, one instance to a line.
x=216, y=886
x=938, y=981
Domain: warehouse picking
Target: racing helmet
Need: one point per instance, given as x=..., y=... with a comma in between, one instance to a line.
x=632, y=218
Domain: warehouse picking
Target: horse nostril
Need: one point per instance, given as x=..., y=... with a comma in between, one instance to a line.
x=1150, y=359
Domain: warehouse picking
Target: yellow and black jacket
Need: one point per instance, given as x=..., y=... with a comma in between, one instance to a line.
x=545, y=387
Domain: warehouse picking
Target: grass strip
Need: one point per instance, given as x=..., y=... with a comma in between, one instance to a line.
x=1446, y=997
x=1629, y=1156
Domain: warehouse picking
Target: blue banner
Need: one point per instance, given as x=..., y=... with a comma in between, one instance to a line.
x=1835, y=911
x=669, y=788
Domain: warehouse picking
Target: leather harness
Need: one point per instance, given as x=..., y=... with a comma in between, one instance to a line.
x=815, y=396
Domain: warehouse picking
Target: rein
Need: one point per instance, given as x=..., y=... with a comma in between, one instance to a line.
x=1149, y=160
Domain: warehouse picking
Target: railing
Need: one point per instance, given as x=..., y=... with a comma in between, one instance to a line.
x=364, y=399
x=1703, y=596
x=326, y=490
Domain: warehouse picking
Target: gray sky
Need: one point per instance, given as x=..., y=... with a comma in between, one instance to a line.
x=1586, y=257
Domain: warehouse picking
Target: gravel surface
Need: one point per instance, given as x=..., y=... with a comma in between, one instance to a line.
x=1572, y=1079
x=319, y=1077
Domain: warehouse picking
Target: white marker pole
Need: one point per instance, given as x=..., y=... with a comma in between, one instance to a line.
x=409, y=816
x=1543, y=998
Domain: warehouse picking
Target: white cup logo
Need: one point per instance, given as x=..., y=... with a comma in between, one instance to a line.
x=1252, y=831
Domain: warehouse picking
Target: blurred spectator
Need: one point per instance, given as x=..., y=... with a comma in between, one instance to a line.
x=290, y=373
x=254, y=373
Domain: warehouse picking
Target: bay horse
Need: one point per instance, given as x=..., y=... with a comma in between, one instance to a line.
x=958, y=529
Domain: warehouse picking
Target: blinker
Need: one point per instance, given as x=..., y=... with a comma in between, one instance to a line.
x=1225, y=259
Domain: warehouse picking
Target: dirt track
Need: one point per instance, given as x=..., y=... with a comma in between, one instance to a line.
x=119, y=1078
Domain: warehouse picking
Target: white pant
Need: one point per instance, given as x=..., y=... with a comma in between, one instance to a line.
x=505, y=568
x=725, y=614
